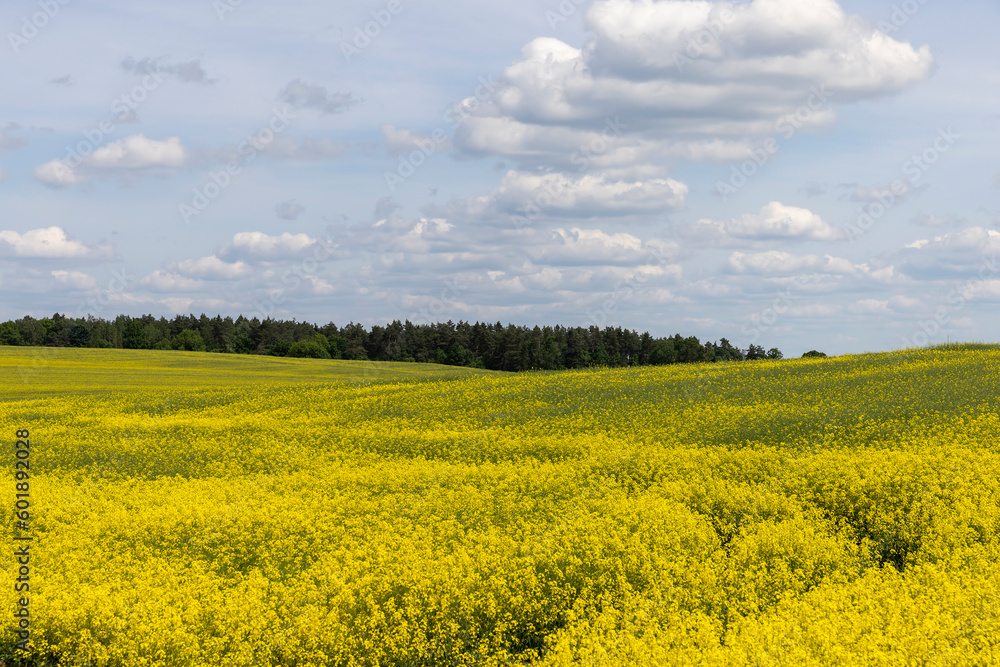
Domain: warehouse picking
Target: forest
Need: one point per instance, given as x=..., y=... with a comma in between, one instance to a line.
x=479, y=345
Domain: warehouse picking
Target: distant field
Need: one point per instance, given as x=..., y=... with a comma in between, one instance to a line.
x=43, y=371
x=196, y=509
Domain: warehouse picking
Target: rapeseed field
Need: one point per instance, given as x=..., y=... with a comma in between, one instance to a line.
x=194, y=509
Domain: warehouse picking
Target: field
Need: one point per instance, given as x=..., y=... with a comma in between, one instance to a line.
x=195, y=509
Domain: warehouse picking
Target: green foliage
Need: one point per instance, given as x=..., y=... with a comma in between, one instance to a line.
x=308, y=349
x=134, y=336
x=280, y=349
x=474, y=345
x=79, y=335
x=9, y=334
x=814, y=354
x=188, y=341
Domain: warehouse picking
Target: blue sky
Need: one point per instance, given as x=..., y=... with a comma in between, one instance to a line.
x=793, y=173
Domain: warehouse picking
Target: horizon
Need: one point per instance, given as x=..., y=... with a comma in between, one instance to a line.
x=806, y=176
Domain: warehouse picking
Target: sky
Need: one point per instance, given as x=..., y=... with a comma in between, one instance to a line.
x=801, y=174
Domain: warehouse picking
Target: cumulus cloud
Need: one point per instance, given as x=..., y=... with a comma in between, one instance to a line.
x=258, y=245
x=210, y=268
x=303, y=95
x=956, y=254
x=979, y=290
x=289, y=210
x=778, y=262
x=131, y=154
x=775, y=221
x=766, y=62
x=594, y=247
x=75, y=279
x=166, y=281
x=48, y=243
x=581, y=196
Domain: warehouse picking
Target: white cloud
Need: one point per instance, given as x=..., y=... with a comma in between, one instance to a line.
x=178, y=305
x=773, y=261
x=564, y=195
x=870, y=307
x=163, y=281
x=210, y=268
x=593, y=247
x=75, y=279
x=980, y=289
x=902, y=302
x=956, y=254
x=48, y=243
x=775, y=221
x=971, y=238
x=259, y=245
x=136, y=152
x=57, y=173
x=777, y=262
x=771, y=60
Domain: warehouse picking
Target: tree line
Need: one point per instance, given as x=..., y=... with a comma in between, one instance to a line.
x=479, y=345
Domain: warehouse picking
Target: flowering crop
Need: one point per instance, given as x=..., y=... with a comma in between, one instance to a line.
x=194, y=509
